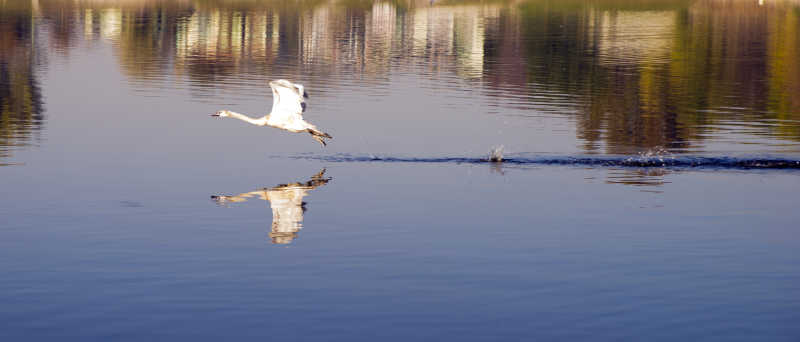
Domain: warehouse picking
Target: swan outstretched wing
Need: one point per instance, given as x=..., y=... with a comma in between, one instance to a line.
x=288, y=99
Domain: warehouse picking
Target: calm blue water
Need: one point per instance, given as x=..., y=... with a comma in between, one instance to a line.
x=649, y=189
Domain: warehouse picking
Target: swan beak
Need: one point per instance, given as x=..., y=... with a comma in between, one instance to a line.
x=215, y=114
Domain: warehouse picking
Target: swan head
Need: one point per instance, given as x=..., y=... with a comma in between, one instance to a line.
x=222, y=114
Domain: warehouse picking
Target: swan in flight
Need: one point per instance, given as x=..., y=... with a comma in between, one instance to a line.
x=286, y=201
x=288, y=105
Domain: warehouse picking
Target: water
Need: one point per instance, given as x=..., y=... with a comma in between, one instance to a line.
x=648, y=187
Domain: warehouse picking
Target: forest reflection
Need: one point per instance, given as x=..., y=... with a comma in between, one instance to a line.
x=634, y=75
x=286, y=201
x=21, y=107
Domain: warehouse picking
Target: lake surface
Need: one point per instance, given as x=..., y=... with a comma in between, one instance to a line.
x=650, y=188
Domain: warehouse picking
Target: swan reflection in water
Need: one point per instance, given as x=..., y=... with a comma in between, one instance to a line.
x=286, y=201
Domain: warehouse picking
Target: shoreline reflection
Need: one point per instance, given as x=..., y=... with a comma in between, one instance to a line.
x=286, y=201
x=21, y=104
x=630, y=76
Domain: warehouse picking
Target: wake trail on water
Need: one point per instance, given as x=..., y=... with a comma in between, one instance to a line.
x=639, y=161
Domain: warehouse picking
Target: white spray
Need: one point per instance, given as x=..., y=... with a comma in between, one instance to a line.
x=496, y=154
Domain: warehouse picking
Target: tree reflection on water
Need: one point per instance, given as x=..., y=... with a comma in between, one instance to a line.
x=21, y=107
x=635, y=75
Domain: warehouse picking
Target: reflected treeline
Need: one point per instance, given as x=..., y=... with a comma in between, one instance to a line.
x=212, y=40
x=665, y=76
x=21, y=109
x=286, y=201
x=636, y=74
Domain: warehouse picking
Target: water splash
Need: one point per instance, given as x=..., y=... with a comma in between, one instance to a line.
x=496, y=154
x=654, y=155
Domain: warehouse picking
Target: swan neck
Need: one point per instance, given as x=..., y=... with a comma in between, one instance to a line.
x=246, y=118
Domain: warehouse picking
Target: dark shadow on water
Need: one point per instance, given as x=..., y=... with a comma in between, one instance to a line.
x=286, y=201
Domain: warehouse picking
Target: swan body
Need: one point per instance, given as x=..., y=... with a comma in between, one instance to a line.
x=288, y=105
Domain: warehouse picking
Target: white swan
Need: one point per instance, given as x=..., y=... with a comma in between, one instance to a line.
x=288, y=105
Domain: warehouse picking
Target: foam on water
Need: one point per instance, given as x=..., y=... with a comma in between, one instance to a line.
x=496, y=154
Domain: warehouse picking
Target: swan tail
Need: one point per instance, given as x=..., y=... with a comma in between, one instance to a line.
x=319, y=136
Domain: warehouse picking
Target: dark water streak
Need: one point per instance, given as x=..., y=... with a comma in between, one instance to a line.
x=673, y=162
